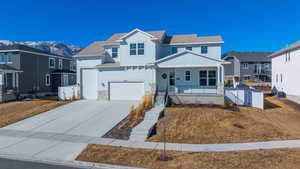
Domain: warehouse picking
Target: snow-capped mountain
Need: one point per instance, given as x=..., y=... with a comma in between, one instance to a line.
x=47, y=46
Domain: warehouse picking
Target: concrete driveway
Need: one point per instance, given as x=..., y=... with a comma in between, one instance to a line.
x=58, y=134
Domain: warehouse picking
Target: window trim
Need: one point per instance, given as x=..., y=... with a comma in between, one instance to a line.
x=9, y=62
x=190, y=48
x=190, y=75
x=174, y=78
x=138, y=49
x=50, y=62
x=114, y=52
x=172, y=50
x=60, y=63
x=47, y=83
x=245, y=67
x=202, y=50
x=207, y=78
x=2, y=55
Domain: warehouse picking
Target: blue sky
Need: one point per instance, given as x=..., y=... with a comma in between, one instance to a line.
x=245, y=25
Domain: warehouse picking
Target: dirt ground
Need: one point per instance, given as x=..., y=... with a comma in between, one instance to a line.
x=258, y=159
x=212, y=124
x=12, y=112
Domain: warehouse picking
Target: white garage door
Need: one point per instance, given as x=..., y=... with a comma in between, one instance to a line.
x=89, y=81
x=126, y=90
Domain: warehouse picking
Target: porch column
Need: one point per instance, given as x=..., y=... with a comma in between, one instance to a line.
x=220, y=87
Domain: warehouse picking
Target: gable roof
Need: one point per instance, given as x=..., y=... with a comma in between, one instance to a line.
x=19, y=47
x=97, y=48
x=293, y=46
x=192, y=38
x=249, y=56
x=94, y=49
x=4, y=67
x=184, y=52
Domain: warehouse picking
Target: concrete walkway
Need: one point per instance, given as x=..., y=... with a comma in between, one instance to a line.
x=13, y=138
x=62, y=133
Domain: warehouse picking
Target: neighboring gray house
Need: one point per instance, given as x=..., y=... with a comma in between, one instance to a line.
x=248, y=66
x=127, y=66
x=25, y=70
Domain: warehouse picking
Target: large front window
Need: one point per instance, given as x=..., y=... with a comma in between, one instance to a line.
x=208, y=78
x=60, y=64
x=137, y=49
x=258, y=68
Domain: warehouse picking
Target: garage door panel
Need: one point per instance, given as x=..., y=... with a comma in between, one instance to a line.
x=126, y=90
x=89, y=84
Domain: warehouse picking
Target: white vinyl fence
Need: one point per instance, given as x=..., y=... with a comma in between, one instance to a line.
x=246, y=97
x=68, y=92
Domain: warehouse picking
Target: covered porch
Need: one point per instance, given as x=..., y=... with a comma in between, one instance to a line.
x=191, y=78
x=9, y=83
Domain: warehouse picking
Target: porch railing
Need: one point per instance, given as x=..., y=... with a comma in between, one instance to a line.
x=195, y=89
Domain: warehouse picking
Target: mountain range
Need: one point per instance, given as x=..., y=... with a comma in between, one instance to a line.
x=48, y=46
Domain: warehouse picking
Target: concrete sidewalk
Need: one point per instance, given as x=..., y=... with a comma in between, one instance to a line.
x=61, y=145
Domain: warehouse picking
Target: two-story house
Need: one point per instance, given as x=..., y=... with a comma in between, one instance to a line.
x=254, y=66
x=127, y=66
x=25, y=70
x=285, y=69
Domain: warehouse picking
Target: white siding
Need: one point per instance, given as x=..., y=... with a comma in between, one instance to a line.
x=213, y=51
x=289, y=71
x=121, y=74
x=135, y=60
x=86, y=62
x=189, y=59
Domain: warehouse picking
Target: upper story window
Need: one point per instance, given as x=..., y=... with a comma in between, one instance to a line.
x=114, y=52
x=137, y=49
x=245, y=65
x=2, y=58
x=188, y=75
x=189, y=48
x=204, y=49
x=72, y=65
x=60, y=64
x=174, y=50
x=51, y=62
x=133, y=49
x=9, y=59
x=141, y=49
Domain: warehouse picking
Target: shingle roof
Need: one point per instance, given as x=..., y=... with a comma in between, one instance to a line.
x=115, y=64
x=94, y=49
x=97, y=48
x=6, y=67
x=293, y=46
x=249, y=56
x=26, y=48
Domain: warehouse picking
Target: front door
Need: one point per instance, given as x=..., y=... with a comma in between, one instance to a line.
x=172, y=80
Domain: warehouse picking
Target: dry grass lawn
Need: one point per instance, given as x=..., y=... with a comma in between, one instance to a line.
x=12, y=112
x=202, y=125
x=258, y=159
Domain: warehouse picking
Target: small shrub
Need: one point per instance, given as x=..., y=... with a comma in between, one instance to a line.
x=131, y=114
x=148, y=102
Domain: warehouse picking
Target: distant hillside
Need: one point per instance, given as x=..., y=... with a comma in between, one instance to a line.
x=48, y=46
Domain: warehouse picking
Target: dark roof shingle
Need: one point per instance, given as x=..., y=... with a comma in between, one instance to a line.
x=249, y=56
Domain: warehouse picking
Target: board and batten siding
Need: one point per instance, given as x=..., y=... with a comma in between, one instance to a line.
x=136, y=74
x=86, y=62
x=289, y=70
x=137, y=60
